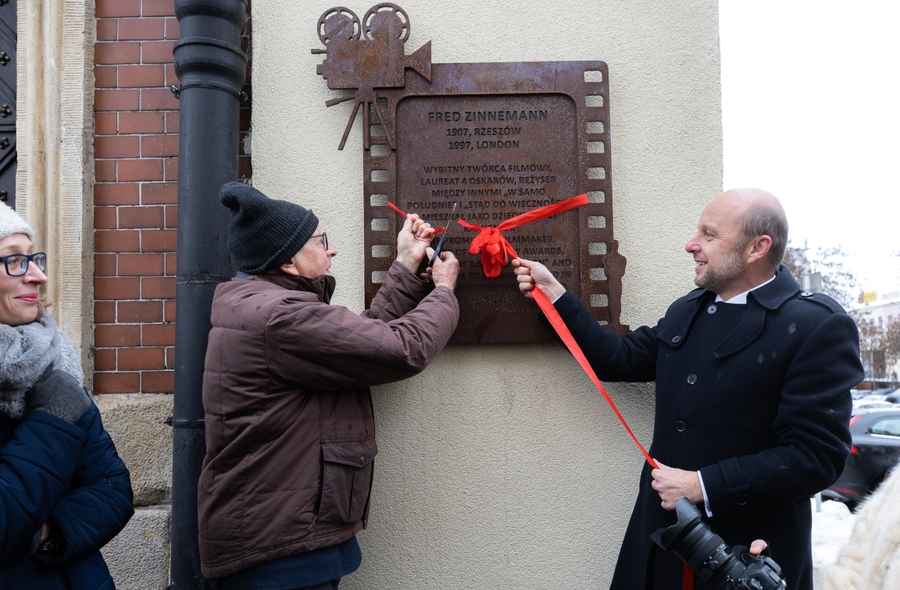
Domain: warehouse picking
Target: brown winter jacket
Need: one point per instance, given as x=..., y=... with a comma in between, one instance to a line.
x=290, y=436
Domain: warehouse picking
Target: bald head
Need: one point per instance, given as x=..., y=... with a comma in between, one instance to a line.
x=757, y=213
x=740, y=241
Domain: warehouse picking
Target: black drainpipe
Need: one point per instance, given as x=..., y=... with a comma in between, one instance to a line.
x=211, y=70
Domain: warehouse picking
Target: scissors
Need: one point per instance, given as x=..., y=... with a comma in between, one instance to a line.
x=440, y=245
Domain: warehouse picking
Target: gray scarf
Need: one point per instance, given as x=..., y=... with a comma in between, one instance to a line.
x=25, y=353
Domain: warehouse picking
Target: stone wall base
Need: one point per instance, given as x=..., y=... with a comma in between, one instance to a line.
x=138, y=558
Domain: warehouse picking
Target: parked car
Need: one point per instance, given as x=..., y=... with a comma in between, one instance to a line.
x=862, y=404
x=893, y=397
x=875, y=451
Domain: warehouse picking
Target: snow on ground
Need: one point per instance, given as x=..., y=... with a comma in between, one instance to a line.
x=832, y=525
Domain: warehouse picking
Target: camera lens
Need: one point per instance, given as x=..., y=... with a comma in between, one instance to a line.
x=699, y=547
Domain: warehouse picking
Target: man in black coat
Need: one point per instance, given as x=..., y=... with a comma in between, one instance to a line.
x=753, y=379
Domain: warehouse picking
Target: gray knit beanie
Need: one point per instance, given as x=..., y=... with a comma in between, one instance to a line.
x=12, y=223
x=264, y=233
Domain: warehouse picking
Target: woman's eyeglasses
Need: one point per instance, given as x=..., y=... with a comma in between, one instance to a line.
x=17, y=264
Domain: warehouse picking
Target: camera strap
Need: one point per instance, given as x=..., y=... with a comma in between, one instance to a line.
x=687, y=578
x=563, y=331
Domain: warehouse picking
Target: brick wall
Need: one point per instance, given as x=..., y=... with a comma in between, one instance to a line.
x=136, y=195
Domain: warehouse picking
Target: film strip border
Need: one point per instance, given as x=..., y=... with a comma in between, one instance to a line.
x=587, y=84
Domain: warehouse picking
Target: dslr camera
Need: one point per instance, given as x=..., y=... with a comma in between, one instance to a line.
x=709, y=557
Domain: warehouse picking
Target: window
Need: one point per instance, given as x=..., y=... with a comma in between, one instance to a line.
x=886, y=427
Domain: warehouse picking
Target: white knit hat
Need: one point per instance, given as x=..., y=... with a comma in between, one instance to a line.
x=12, y=223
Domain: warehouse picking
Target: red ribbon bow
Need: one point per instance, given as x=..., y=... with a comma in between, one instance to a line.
x=495, y=249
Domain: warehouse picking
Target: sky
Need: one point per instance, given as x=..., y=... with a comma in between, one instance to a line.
x=810, y=103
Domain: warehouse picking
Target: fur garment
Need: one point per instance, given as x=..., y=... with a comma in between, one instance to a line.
x=25, y=353
x=871, y=558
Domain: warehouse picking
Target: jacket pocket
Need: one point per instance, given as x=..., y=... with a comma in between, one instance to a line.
x=346, y=480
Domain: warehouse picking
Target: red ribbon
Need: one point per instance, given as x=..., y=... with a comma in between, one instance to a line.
x=495, y=250
x=397, y=209
x=569, y=340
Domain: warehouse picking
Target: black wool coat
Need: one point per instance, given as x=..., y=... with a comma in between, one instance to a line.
x=755, y=397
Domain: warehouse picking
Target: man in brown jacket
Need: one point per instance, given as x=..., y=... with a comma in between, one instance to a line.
x=290, y=434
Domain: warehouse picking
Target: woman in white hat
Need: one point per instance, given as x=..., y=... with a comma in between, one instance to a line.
x=64, y=491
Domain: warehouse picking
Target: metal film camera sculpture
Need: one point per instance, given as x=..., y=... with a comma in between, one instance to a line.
x=365, y=56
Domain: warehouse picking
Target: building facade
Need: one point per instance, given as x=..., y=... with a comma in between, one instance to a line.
x=500, y=465
x=879, y=321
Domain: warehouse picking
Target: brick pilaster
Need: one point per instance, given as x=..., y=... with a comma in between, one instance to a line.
x=136, y=121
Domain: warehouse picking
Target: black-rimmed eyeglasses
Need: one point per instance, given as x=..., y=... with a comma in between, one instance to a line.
x=324, y=236
x=17, y=264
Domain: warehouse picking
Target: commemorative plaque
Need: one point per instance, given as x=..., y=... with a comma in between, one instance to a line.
x=496, y=139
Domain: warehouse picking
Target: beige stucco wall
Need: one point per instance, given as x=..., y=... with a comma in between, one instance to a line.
x=501, y=466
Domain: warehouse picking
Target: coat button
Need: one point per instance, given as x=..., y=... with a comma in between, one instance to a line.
x=679, y=426
x=741, y=499
x=712, y=309
x=806, y=294
x=676, y=339
x=691, y=379
x=362, y=460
